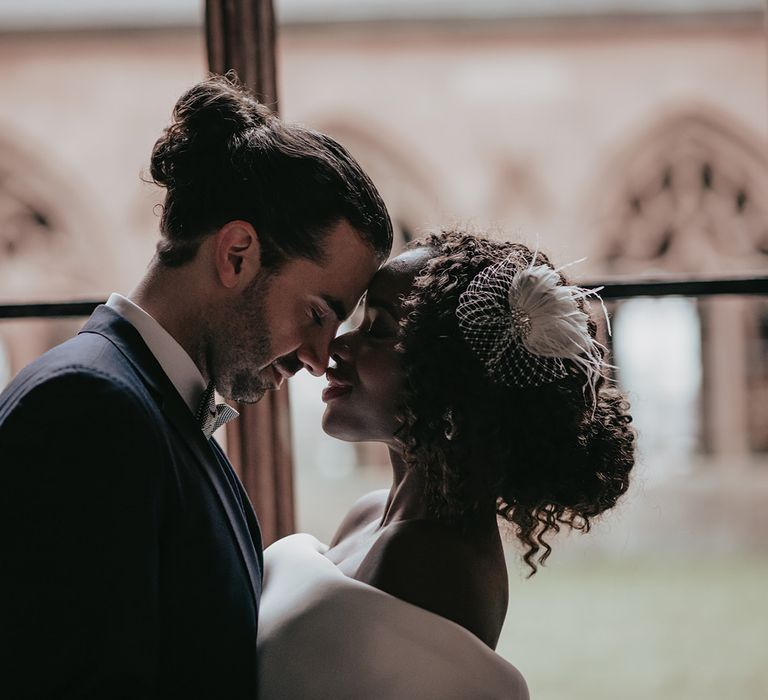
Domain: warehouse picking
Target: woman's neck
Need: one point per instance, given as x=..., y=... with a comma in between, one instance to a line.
x=406, y=500
x=406, y=496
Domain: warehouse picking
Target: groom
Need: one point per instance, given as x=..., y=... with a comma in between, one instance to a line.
x=131, y=557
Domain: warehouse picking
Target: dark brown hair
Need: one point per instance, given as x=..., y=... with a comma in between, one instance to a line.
x=227, y=157
x=545, y=456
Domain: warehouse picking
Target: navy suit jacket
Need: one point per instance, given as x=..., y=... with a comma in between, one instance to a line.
x=130, y=556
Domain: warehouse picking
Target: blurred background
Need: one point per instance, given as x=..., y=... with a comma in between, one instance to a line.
x=633, y=132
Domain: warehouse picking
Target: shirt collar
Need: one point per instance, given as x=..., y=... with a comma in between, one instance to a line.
x=176, y=363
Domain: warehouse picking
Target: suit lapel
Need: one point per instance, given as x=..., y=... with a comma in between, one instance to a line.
x=193, y=438
x=252, y=522
x=126, y=338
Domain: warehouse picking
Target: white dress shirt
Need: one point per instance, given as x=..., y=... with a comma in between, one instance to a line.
x=176, y=363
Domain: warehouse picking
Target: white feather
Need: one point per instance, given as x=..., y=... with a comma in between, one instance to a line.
x=558, y=327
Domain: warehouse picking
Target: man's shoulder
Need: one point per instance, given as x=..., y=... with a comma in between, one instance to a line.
x=86, y=353
x=58, y=405
x=85, y=368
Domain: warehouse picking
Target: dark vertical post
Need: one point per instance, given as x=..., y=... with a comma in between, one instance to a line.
x=240, y=36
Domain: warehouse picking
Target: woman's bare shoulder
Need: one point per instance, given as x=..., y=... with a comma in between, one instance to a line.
x=364, y=511
x=444, y=570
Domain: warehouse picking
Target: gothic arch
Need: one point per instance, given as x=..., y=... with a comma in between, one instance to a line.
x=50, y=240
x=688, y=195
x=51, y=246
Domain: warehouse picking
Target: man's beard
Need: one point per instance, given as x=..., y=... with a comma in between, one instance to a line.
x=251, y=387
x=244, y=348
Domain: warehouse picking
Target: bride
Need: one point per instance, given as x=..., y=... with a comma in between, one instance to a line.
x=476, y=365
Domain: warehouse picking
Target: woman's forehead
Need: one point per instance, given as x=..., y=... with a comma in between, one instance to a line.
x=395, y=278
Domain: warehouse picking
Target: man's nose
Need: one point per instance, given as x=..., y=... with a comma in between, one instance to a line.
x=314, y=354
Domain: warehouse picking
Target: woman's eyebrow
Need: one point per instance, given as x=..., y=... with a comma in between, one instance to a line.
x=381, y=304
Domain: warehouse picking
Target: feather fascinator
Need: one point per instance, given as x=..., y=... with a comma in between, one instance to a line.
x=525, y=325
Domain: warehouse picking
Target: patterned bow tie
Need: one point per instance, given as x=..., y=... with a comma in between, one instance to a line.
x=210, y=415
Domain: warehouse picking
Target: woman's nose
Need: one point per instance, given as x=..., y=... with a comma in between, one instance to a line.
x=341, y=347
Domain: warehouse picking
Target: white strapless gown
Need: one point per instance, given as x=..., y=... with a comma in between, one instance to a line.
x=323, y=635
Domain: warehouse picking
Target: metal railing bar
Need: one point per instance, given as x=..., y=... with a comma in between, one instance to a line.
x=613, y=289
x=62, y=309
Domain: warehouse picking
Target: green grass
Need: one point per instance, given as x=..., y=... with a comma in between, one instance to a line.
x=640, y=629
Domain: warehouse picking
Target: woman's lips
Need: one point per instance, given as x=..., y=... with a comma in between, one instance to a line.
x=337, y=385
x=333, y=391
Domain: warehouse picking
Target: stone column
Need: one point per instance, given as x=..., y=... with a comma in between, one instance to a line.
x=725, y=358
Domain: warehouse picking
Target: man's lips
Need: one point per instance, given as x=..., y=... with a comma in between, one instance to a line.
x=283, y=372
x=280, y=372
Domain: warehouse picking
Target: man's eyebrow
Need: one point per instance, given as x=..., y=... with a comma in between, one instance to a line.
x=337, y=306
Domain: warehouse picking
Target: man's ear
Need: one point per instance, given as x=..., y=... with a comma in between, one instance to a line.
x=236, y=254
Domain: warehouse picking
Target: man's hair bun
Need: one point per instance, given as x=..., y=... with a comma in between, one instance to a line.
x=207, y=121
x=226, y=157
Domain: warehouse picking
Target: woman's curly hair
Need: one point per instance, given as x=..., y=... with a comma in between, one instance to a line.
x=546, y=455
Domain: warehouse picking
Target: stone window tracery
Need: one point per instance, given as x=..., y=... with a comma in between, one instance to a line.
x=692, y=200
